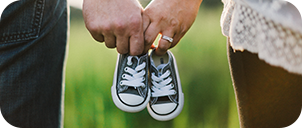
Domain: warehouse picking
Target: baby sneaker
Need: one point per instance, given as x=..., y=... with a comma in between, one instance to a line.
x=130, y=91
x=167, y=98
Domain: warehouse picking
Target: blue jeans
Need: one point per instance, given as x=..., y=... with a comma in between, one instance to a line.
x=33, y=39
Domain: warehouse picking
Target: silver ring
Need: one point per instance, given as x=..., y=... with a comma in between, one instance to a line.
x=167, y=38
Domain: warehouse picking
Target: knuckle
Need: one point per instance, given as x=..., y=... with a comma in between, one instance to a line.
x=136, y=25
x=148, y=40
x=98, y=27
x=95, y=31
x=120, y=26
x=92, y=27
x=105, y=29
x=163, y=18
x=135, y=21
x=183, y=29
x=174, y=23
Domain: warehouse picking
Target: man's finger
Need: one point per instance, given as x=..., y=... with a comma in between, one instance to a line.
x=136, y=44
x=122, y=44
x=98, y=37
x=146, y=22
x=110, y=41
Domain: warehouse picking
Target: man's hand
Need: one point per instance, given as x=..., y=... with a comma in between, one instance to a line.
x=171, y=18
x=118, y=23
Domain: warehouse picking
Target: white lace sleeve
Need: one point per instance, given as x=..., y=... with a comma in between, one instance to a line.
x=275, y=36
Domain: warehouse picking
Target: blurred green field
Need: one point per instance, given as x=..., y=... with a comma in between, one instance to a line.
x=203, y=68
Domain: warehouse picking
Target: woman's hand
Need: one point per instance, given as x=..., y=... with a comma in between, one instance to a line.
x=171, y=18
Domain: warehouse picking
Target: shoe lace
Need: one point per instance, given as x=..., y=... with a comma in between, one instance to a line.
x=162, y=85
x=136, y=77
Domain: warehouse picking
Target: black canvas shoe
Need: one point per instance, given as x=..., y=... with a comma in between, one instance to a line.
x=130, y=91
x=167, y=98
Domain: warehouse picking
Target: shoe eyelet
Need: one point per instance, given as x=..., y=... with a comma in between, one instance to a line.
x=123, y=76
x=126, y=69
x=121, y=83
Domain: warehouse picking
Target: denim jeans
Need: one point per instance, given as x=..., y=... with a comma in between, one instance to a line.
x=33, y=41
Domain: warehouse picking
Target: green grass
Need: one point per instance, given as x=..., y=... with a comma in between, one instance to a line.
x=203, y=68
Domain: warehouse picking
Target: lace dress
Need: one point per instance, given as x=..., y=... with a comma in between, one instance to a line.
x=270, y=28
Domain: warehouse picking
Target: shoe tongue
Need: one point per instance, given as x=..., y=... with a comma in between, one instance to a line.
x=161, y=60
x=160, y=68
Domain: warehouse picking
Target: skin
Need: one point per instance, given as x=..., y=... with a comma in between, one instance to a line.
x=126, y=26
x=172, y=18
x=118, y=23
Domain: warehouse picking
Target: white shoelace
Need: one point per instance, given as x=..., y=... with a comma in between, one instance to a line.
x=136, y=77
x=162, y=85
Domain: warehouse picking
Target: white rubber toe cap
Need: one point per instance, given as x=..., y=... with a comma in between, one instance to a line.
x=164, y=108
x=131, y=99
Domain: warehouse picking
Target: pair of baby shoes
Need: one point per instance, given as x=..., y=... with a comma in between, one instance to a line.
x=151, y=81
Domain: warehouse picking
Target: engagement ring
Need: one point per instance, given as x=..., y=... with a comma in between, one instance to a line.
x=167, y=38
